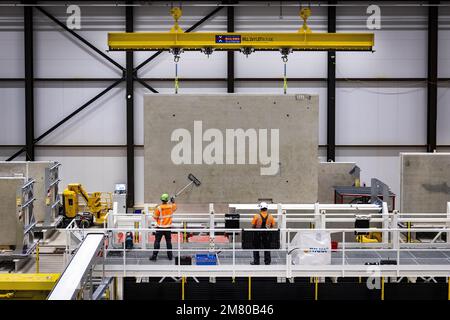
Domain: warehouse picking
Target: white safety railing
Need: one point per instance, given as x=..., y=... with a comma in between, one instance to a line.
x=233, y=258
x=396, y=241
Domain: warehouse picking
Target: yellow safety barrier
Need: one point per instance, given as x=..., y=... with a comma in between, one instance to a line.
x=183, y=281
x=409, y=232
x=37, y=257
x=316, y=289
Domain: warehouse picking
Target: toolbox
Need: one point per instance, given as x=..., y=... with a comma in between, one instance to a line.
x=184, y=260
x=206, y=259
x=232, y=221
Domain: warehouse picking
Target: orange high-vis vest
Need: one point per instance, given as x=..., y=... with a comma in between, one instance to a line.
x=163, y=215
x=257, y=221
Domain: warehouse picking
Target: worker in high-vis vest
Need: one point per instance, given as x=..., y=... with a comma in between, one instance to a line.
x=163, y=217
x=262, y=220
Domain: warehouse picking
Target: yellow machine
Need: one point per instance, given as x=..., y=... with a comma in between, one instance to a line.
x=371, y=237
x=26, y=286
x=96, y=203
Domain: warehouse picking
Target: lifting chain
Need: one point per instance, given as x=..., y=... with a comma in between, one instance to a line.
x=176, y=58
x=284, y=56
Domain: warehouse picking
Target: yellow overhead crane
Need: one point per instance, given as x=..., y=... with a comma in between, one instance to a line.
x=247, y=42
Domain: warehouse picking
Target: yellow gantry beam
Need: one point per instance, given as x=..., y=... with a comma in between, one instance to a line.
x=236, y=41
x=28, y=281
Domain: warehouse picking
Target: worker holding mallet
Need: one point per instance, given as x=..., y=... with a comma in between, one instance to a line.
x=163, y=217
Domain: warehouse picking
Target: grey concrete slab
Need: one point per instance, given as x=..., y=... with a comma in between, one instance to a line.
x=169, y=121
x=333, y=174
x=424, y=182
x=11, y=226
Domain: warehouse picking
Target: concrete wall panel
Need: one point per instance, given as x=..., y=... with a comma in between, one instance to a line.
x=424, y=182
x=333, y=174
x=11, y=229
x=36, y=171
x=295, y=116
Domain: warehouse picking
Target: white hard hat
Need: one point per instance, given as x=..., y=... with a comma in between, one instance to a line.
x=263, y=205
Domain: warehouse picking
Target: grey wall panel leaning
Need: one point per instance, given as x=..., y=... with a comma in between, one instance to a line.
x=36, y=171
x=333, y=174
x=11, y=229
x=424, y=182
x=243, y=147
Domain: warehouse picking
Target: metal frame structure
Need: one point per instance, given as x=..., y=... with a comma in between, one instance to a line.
x=24, y=210
x=432, y=85
x=129, y=76
x=52, y=180
x=431, y=81
x=49, y=198
x=331, y=90
x=29, y=82
x=117, y=261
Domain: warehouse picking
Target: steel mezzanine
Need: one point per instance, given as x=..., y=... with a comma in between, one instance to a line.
x=430, y=259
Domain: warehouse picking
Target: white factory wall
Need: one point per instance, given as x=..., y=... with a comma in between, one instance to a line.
x=367, y=113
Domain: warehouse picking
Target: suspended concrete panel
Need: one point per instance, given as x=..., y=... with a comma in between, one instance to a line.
x=243, y=147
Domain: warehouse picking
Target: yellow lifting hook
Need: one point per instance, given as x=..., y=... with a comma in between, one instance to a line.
x=304, y=14
x=176, y=14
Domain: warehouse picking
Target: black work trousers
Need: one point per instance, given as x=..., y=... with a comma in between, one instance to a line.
x=167, y=234
x=261, y=240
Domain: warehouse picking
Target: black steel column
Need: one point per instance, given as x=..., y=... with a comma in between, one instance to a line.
x=331, y=89
x=129, y=21
x=29, y=82
x=230, y=54
x=432, y=77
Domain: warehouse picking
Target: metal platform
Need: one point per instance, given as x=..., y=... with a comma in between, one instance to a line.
x=415, y=263
x=392, y=257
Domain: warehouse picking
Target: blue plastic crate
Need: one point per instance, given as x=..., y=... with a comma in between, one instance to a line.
x=206, y=259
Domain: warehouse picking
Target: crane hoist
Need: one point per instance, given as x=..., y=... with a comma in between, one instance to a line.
x=96, y=205
x=176, y=41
